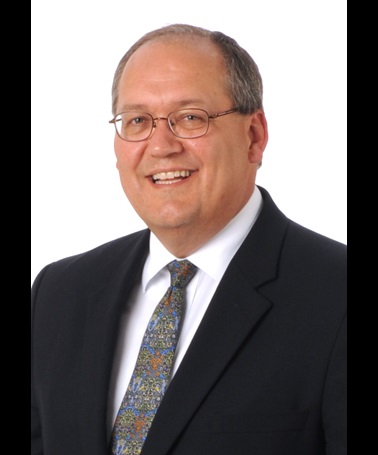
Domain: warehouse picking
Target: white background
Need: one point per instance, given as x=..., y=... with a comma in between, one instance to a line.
x=300, y=47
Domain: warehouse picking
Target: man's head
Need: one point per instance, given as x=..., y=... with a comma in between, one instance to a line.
x=188, y=188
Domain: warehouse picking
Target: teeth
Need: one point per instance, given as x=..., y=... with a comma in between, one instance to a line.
x=170, y=175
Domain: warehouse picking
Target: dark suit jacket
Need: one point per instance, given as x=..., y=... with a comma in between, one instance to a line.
x=264, y=375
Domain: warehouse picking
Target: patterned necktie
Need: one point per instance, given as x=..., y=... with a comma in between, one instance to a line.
x=152, y=371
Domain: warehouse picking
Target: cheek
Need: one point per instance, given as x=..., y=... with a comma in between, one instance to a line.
x=118, y=151
x=121, y=163
x=125, y=167
x=231, y=153
x=127, y=155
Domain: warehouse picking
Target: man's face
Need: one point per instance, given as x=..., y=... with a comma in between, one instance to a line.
x=162, y=77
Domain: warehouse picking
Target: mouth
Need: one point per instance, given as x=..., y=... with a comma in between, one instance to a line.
x=167, y=178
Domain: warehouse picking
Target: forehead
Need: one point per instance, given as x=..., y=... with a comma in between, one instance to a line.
x=200, y=49
x=178, y=67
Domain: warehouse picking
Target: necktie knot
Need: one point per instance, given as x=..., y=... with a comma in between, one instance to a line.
x=181, y=272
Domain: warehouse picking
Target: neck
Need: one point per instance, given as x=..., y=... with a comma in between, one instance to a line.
x=184, y=240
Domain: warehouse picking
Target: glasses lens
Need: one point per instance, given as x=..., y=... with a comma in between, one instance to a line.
x=189, y=123
x=134, y=126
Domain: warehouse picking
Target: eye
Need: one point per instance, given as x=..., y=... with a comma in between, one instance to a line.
x=137, y=120
x=190, y=117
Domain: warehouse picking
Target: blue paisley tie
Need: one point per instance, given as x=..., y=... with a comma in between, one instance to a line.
x=152, y=371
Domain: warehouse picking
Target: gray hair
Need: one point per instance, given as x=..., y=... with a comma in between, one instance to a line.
x=243, y=79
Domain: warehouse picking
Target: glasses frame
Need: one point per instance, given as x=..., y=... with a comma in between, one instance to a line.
x=155, y=119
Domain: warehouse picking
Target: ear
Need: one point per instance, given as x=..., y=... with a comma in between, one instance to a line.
x=258, y=130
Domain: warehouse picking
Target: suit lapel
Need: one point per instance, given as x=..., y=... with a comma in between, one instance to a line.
x=229, y=319
x=104, y=304
x=236, y=308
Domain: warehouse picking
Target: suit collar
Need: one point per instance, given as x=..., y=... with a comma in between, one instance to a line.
x=259, y=255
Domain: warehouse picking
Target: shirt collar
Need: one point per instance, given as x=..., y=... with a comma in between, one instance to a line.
x=213, y=257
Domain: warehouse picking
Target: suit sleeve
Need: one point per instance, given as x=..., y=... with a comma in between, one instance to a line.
x=335, y=397
x=36, y=434
x=36, y=427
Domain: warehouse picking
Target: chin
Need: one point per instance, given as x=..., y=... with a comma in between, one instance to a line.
x=167, y=221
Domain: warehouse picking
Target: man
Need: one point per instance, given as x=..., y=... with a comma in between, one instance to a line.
x=260, y=366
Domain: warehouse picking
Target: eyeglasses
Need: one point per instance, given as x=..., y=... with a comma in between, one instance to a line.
x=185, y=123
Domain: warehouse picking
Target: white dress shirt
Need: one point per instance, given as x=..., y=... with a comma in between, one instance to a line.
x=212, y=259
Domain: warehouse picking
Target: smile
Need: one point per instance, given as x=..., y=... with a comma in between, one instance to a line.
x=164, y=178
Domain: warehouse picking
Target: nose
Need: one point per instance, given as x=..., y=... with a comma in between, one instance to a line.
x=162, y=140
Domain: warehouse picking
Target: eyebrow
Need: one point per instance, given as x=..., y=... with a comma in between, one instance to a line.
x=179, y=105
